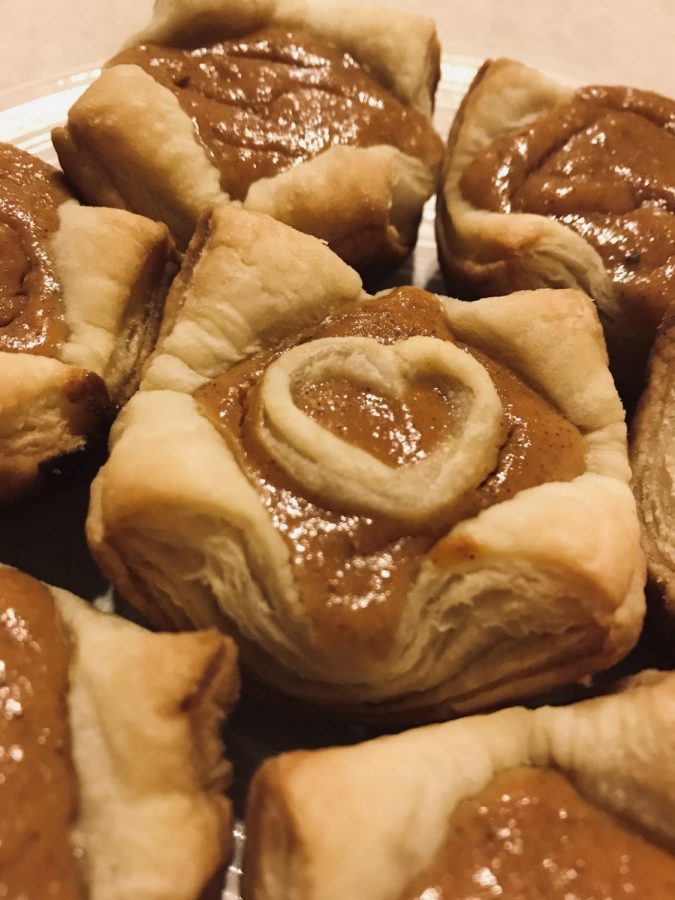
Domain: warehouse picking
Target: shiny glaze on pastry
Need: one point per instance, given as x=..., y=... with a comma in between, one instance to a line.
x=531, y=835
x=37, y=779
x=31, y=301
x=602, y=163
x=354, y=570
x=266, y=102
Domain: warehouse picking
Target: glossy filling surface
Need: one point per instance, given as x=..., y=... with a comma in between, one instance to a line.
x=354, y=571
x=37, y=781
x=31, y=303
x=602, y=163
x=530, y=835
x=262, y=103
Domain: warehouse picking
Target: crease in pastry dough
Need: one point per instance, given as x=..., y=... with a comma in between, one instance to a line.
x=375, y=213
x=129, y=143
x=536, y=590
x=653, y=462
x=272, y=291
x=400, y=792
x=131, y=172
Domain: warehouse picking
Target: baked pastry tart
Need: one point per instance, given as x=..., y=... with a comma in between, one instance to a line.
x=110, y=757
x=561, y=803
x=81, y=297
x=400, y=506
x=651, y=455
x=318, y=116
x=543, y=185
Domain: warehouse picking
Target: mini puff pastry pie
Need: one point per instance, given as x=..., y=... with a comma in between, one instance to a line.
x=652, y=461
x=319, y=117
x=81, y=297
x=550, y=804
x=110, y=758
x=546, y=186
x=399, y=505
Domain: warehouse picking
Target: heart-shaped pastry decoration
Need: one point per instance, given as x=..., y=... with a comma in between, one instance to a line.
x=352, y=478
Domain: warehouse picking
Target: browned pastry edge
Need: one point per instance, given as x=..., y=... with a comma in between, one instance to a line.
x=650, y=437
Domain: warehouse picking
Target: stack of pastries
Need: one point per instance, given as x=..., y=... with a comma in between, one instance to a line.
x=392, y=507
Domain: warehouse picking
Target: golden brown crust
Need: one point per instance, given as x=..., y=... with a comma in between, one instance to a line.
x=651, y=442
x=400, y=792
x=48, y=411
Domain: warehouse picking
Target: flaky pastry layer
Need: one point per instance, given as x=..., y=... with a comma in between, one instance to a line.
x=535, y=591
x=398, y=793
x=652, y=440
x=114, y=270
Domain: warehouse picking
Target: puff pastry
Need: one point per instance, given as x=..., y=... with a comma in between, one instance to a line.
x=401, y=505
x=110, y=756
x=318, y=116
x=651, y=460
x=546, y=186
x=551, y=803
x=81, y=296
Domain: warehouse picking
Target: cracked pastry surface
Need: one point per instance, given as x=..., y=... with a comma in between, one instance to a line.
x=521, y=804
x=110, y=756
x=299, y=113
x=81, y=295
x=357, y=486
x=599, y=161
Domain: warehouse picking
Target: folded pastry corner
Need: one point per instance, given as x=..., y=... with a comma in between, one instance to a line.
x=319, y=116
x=651, y=441
x=518, y=803
x=113, y=765
x=81, y=298
x=402, y=506
x=528, y=198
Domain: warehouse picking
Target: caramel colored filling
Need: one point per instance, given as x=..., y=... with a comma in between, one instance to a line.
x=263, y=103
x=530, y=835
x=395, y=431
x=354, y=571
x=602, y=163
x=31, y=303
x=38, y=795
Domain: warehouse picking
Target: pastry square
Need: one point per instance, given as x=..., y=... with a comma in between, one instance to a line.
x=543, y=185
x=318, y=116
x=112, y=764
x=81, y=298
x=521, y=804
x=652, y=434
x=401, y=506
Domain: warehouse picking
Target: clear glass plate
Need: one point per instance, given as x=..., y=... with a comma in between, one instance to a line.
x=45, y=537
